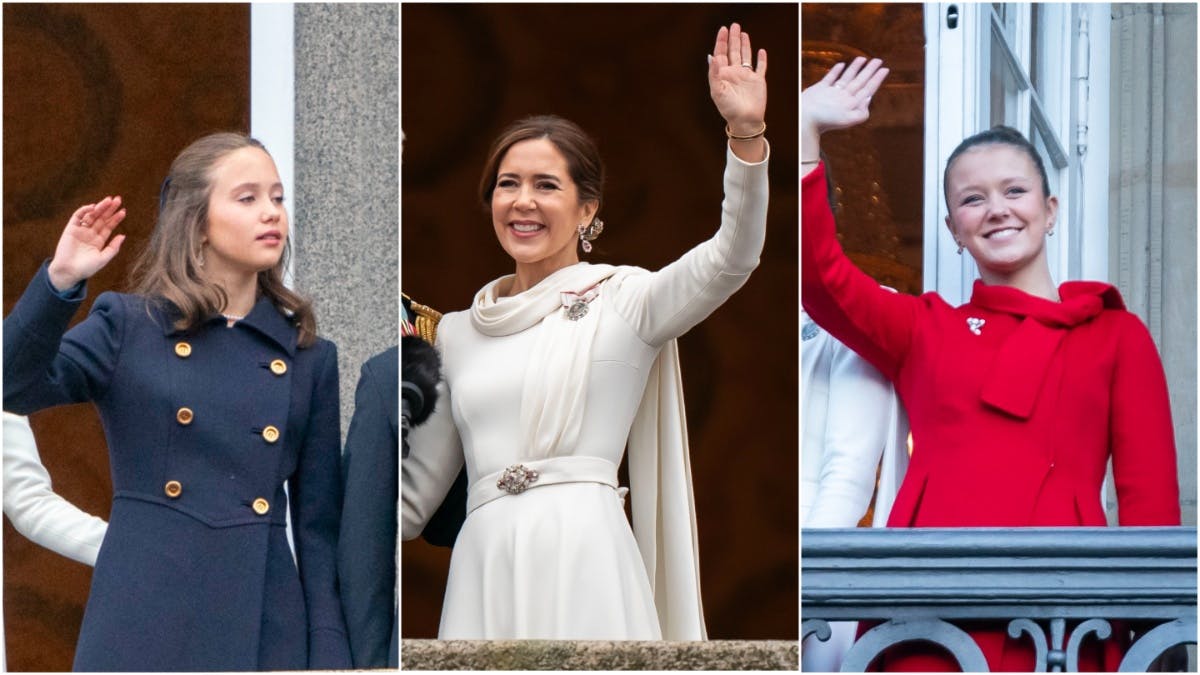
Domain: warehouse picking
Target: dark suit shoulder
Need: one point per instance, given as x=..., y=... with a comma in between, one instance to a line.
x=384, y=365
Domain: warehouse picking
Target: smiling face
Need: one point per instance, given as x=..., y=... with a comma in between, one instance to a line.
x=998, y=211
x=247, y=222
x=536, y=210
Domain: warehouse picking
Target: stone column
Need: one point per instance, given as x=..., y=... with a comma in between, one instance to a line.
x=1152, y=212
x=347, y=177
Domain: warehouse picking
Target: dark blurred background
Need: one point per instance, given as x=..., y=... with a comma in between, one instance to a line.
x=878, y=190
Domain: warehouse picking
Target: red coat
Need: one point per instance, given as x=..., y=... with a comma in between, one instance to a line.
x=1016, y=402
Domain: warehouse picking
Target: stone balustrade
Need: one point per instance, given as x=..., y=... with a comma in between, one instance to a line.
x=598, y=655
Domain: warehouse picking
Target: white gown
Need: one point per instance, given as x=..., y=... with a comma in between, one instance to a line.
x=560, y=561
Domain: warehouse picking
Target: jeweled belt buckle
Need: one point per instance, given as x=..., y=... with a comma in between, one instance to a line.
x=516, y=479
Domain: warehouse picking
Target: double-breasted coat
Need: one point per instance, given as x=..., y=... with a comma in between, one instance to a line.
x=204, y=429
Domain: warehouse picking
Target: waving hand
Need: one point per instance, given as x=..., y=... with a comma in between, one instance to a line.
x=841, y=98
x=739, y=88
x=85, y=246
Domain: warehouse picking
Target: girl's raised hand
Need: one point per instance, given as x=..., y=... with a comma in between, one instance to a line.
x=738, y=87
x=85, y=246
x=841, y=99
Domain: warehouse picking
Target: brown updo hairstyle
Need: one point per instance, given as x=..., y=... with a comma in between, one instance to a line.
x=583, y=159
x=997, y=135
x=169, y=268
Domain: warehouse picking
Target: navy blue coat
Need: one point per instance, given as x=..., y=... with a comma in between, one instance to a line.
x=367, y=553
x=203, y=431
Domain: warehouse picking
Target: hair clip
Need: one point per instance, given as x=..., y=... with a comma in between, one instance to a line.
x=162, y=193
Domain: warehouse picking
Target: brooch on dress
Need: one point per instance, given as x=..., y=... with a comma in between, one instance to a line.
x=516, y=478
x=975, y=324
x=576, y=304
x=809, y=332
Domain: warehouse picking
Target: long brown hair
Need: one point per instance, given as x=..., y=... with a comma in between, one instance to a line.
x=169, y=268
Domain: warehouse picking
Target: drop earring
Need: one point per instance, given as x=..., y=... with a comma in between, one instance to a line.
x=589, y=233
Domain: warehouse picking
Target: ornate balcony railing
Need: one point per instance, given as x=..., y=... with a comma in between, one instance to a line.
x=916, y=581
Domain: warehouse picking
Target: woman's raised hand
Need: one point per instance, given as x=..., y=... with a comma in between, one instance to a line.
x=738, y=87
x=85, y=246
x=841, y=99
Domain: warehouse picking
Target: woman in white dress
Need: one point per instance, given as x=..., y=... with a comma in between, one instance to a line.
x=558, y=367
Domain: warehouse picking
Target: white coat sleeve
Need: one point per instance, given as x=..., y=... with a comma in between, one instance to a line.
x=858, y=425
x=667, y=303
x=434, y=460
x=35, y=510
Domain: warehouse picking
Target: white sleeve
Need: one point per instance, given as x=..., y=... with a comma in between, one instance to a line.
x=35, y=510
x=894, y=463
x=434, y=460
x=667, y=303
x=857, y=425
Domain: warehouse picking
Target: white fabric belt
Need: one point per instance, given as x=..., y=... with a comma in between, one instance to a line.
x=538, y=473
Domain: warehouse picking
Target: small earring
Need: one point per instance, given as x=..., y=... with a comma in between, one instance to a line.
x=960, y=246
x=589, y=233
x=200, y=257
x=1050, y=232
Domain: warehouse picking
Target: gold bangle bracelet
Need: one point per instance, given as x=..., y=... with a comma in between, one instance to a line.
x=760, y=132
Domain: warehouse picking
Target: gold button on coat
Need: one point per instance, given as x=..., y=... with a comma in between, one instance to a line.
x=183, y=350
x=184, y=416
x=278, y=367
x=270, y=434
x=173, y=489
x=261, y=506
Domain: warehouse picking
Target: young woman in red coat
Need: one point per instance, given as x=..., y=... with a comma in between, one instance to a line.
x=1018, y=398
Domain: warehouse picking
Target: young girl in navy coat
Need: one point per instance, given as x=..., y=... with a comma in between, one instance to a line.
x=214, y=392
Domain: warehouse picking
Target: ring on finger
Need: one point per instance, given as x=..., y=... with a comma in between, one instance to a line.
x=748, y=65
x=839, y=85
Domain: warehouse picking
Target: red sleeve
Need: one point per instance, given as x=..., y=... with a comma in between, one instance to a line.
x=1142, y=436
x=842, y=299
